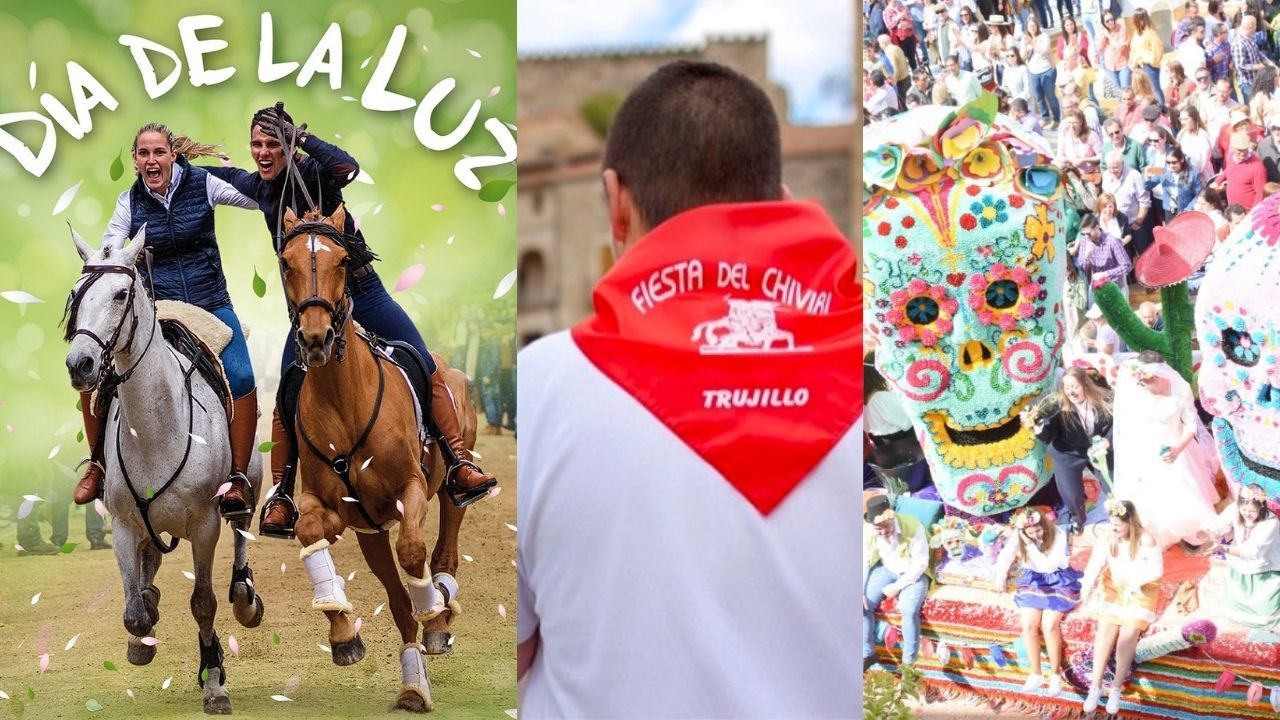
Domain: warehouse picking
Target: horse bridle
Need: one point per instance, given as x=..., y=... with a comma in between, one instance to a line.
x=340, y=313
x=111, y=345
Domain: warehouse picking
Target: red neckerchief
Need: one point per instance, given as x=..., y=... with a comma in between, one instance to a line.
x=759, y=388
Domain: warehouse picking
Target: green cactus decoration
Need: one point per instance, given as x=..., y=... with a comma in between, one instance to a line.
x=1173, y=342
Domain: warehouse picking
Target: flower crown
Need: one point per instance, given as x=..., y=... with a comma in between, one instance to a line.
x=952, y=528
x=1116, y=508
x=885, y=516
x=1254, y=493
x=1025, y=517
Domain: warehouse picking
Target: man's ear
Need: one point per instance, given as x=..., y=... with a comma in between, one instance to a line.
x=621, y=211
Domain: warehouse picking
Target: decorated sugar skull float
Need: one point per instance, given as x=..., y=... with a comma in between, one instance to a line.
x=964, y=235
x=1237, y=322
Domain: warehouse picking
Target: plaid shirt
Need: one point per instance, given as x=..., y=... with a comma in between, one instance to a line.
x=1245, y=53
x=1217, y=57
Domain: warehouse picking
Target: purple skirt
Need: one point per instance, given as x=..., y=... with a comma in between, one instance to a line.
x=1058, y=591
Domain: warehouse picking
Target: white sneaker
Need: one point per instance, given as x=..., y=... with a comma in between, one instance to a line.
x=1091, y=701
x=1055, y=686
x=1113, y=701
x=1033, y=683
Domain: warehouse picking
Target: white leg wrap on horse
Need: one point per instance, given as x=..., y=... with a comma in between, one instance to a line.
x=327, y=584
x=448, y=585
x=426, y=598
x=413, y=672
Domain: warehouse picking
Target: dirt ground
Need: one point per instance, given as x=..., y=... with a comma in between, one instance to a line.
x=80, y=596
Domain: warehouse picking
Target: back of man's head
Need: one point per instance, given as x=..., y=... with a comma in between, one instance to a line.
x=693, y=134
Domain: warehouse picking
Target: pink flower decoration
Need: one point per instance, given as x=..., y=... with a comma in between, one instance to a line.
x=898, y=297
x=976, y=302
x=977, y=282
x=907, y=333
x=928, y=338
x=893, y=316
x=1025, y=310
x=986, y=317
x=1020, y=275
x=950, y=306
x=944, y=325
x=1008, y=322
x=917, y=286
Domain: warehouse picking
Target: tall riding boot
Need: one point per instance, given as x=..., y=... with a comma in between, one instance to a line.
x=238, y=501
x=279, y=513
x=90, y=486
x=464, y=481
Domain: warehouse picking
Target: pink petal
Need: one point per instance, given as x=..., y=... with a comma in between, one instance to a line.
x=359, y=623
x=502, y=210
x=100, y=507
x=357, y=223
x=129, y=692
x=44, y=662
x=502, y=611
x=282, y=568
x=494, y=492
x=400, y=507
x=378, y=610
x=410, y=277
x=495, y=90
x=148, y=640
x=234, y=645
x=19, y=548
x=222, y=489
x=438, y=207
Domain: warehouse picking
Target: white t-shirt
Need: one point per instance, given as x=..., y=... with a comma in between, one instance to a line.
x=656, y=588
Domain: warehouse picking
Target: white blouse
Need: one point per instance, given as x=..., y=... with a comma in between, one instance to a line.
x=1259, y=550
x=1052, y=560
x=1126, y=573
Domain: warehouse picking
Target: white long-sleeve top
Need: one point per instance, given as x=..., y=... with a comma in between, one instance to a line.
x=908, y=558
x=1126, y=573
x=218, y=191
x=1258, y=548
x=1053, y=559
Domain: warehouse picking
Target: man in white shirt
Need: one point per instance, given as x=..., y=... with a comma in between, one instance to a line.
x=895, y=564
x=962, y=86
x=686, y=507
x=1190, y=51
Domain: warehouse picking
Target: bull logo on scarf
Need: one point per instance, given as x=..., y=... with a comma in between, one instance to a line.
x=964, y=238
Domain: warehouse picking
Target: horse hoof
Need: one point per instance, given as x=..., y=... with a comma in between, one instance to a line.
x=437, y=642
x=349, y=652
x=413, y=702
x=139, y=654
x=249, y=616
x=217, y=705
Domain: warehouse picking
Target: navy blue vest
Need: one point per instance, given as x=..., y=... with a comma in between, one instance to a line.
x=186, y=264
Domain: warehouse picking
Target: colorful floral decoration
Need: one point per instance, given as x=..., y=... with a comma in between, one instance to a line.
x=965, y=266
x=1237, y=321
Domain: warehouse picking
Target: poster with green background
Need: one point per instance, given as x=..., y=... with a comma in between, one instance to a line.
x=422, y=94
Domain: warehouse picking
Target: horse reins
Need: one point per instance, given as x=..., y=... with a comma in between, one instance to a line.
x=338, y=314
x=108, y=380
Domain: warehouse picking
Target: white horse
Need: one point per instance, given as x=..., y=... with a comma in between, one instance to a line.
x=166, y=454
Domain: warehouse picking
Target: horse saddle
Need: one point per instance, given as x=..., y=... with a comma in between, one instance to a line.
x=401, y=354
x=200, y=336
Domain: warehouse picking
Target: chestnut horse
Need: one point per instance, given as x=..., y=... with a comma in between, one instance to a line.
x=361, y=459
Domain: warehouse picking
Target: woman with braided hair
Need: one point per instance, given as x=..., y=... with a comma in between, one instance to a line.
x=1047, y=589
x=1253, y=558
x=324, y=169
x=174, y=200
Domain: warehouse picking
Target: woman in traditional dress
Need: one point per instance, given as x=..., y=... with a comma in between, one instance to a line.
x=1165, y=460
x=1082, y=414
x=1047, y=589
x=1125, y=570
x=1253, y=559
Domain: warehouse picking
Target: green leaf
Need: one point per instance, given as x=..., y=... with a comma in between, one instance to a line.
x=79, y=406
x=151, y=492
x=204, y=675
x=109, y=665
x=495, y=190
x=266, y=446
x=117, y=172
x=80, y=436
x=92, y=705
x=31, y=694
x=259, y=285
x=275, y=638
x=68, y=547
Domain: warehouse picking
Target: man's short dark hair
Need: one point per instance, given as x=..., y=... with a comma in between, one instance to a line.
x=1019, y=104
x=693, y=134
x=1196, y=24
x=877, y=78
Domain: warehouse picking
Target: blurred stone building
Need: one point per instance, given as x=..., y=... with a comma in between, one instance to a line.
x=564, y=102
